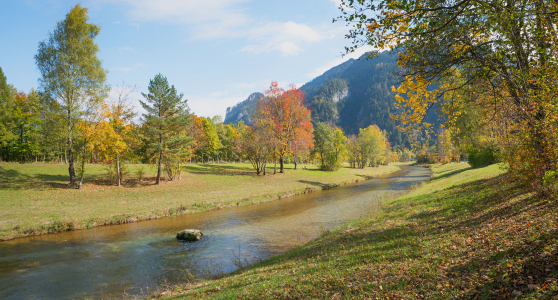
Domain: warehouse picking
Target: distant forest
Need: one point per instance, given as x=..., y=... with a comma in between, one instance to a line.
x=352, y=95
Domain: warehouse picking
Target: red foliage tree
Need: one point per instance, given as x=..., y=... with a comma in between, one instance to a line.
x=286, y=116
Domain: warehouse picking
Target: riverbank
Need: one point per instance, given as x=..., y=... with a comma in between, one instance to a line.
x=36, y=200
x=466, y=234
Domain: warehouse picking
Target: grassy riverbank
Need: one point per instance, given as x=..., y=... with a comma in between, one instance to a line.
x=467, y=234
x=35, y=198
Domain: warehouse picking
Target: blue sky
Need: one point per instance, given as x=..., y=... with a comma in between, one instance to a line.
x=216, y=52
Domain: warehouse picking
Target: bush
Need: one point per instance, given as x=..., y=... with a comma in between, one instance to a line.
x=422, y=158
x=481, y=157
x=140, y=173
x=551, y=182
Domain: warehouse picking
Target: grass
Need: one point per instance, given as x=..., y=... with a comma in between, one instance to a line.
x=466, y=234
x=34, y=198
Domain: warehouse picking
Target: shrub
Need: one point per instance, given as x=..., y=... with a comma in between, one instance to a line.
x=482, y=157
x=551, y=182
x=140, y=173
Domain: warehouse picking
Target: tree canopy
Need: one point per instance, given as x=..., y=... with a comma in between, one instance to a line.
x=71, y=72
x=167, y=119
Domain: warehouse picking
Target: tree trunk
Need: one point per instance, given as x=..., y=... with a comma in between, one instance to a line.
x=179, y=171
x=71, y=162
x=275, y=166
x=282, y=164
x=118, y=179
x=295, y=162
x=66, y=153
x=159, y=167
x=83, y=164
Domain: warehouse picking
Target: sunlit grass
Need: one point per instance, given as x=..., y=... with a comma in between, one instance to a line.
x=35, y=198
x=466, y=234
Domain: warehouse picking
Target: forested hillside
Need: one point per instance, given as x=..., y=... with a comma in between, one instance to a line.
x=368, y=100
x=352, y=95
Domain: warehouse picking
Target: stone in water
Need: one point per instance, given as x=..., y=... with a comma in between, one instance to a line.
x=190, y=235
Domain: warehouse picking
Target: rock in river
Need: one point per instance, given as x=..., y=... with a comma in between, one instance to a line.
x=190, y=235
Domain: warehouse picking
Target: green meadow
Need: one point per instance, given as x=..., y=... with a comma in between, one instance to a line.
x=35, y=198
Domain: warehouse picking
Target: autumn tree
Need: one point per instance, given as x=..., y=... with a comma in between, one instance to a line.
x=331, y=146
x=337, y=151
x=256, y=144
x=301, y=145
x=211, y=143
x=228, y=136
x=353, y=150
x=371, y=146
x=167, y=117
x=285, y=115
x=71, y=72
x=114, y=135
x=508, y=47
x=91, y=133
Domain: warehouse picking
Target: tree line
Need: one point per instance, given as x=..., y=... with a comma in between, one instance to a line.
x=76, y=118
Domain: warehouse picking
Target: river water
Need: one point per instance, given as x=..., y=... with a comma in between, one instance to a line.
x=134, y=258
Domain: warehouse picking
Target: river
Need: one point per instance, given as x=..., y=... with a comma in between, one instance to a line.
x=135, y=258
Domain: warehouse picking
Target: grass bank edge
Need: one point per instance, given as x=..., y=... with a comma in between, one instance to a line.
x=59, y=226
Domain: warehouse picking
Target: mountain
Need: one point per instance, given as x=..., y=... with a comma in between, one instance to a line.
x=243, y=111
x=352, y=95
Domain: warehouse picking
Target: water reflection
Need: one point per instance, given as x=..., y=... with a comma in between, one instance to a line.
x=109, y=260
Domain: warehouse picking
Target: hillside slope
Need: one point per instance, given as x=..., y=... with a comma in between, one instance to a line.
x=243, y=111
x=467, y=234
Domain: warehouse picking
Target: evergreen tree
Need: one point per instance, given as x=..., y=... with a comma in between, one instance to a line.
x=167, y=120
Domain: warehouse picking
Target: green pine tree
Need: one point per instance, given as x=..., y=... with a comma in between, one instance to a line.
x=166, y=122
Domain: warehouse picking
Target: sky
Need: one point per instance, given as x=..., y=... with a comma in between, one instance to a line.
x=215, y=52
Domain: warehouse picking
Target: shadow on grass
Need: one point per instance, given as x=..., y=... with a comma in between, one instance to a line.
x=217, y=169
x=11, y=179
x=450, y=173
x=314, y=183
x=488, y=209
x=475, y=224
x=10, y=175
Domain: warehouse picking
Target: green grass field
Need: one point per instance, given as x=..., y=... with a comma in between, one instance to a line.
x=35, y=199
x=467, y=234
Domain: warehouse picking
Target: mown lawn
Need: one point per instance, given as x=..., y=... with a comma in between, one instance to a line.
x=35, y=199
x=467, y=234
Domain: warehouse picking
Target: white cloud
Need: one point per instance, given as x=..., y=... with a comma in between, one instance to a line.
x=181, y=11
x=125, y=49
x=226, y=19
x=358, y=53
x=283, y=37
x=137, y=25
